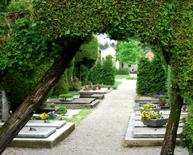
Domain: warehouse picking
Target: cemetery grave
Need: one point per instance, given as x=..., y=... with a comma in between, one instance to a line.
x=78, y=103
x=139, y=134
x=42, y=134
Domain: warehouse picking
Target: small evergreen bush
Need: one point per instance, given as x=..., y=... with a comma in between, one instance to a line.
x=66, y=95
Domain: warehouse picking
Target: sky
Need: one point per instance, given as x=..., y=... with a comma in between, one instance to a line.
x=103, y=38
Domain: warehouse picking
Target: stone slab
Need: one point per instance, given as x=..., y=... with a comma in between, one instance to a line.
x=146, y=142
x=97, y=96
x=35, y=132
x=138, y=118
x=139, y=124
x=149, y=132
x=102, y=91
x=48, y=142
x=40, y=123
x=81, y=106
x=74, y=101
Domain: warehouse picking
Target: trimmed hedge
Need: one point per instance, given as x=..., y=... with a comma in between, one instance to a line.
x=151, y=77
x=103, y=72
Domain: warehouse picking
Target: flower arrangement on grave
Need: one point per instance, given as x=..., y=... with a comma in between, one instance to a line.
x=45, y=116
x=151, y=115
x=153, y=119
x=148, y=106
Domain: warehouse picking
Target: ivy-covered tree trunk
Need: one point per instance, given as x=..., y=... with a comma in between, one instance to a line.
x=24, y=112
x=172, y=125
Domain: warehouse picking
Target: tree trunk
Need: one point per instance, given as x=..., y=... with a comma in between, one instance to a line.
x=5, y=107
x=24, y=112
x=169, y=85
x=172, y=125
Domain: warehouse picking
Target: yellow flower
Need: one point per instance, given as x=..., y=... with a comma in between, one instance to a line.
x=142, y=108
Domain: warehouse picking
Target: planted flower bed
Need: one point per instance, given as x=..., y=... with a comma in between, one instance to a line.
x=75, y=95
x=66, y=97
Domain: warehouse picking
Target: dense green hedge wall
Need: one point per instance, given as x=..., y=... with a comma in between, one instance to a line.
x=151, y=77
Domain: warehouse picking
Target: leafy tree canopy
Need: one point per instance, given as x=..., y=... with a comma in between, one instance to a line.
x=88, y=50
x=127, y=52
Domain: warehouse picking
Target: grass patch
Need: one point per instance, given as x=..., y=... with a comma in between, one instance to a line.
x=117, y=83
x=131, y=78
x=78, y=118
x=121, y=76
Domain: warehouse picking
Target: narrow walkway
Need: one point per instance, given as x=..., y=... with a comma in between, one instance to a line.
x=103, y=131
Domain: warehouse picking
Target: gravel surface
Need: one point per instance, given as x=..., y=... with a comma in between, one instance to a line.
x=103, y=131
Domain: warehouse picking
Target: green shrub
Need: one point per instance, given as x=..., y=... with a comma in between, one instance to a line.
x=61, y=108
x=187, y=133
x=151, y=77
x=62, y=86
x=143, y=76
x=75, y=85
x=66, y=95
x=122, y=71
x=75, y=93
x=96, y=73
x=108, y=71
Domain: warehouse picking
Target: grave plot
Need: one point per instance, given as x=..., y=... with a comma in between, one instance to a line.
x=142, y=103
x=99, y=94
x=78, y=103
x=139, y=134
x=40, y=134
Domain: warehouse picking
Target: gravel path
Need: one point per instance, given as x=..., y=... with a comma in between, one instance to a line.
x=103, y=131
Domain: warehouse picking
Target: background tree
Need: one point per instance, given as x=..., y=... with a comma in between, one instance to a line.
x=127, y=52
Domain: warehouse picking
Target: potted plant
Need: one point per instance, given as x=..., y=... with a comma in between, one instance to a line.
x=150, y=107
x=66, y=97
x=153, y=119
x=161, y=98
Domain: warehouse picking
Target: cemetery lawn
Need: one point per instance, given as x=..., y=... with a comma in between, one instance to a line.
x=131, y=78
x=78, y=118
x=121, y=76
